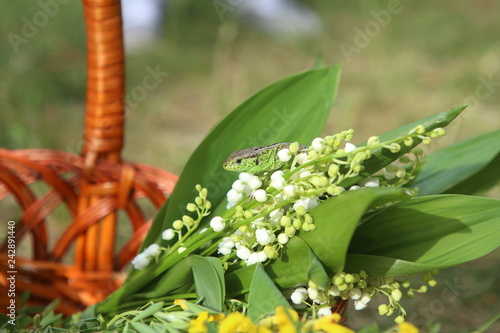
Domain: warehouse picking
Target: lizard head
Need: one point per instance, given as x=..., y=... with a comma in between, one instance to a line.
x=239, y=163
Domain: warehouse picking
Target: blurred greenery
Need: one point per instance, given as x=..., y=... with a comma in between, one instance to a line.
x=432, y=56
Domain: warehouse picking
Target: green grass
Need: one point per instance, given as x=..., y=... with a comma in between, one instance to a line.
x=431, y=57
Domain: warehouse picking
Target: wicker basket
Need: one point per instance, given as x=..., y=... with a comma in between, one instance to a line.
x=93, y=187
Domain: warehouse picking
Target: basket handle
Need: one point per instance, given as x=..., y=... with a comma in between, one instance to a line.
x=104, y=113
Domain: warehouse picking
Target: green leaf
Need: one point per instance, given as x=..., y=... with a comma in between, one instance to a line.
x=337, y=218
x=382, y=157
x=297, y=265
x=293, y=109
x=264, y=296
x=238, y=281
x=436, y=231
x=142, y=328
x=178, y=279
x=464, y=167
x=208, y=278
x=149, y=311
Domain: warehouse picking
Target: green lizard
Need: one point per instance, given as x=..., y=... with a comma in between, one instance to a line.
x=258, y=159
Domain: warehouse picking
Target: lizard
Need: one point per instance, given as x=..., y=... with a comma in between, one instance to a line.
x=258, y=159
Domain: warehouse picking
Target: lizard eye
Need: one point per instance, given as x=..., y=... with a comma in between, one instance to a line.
x=238, y=161
x=257, y=162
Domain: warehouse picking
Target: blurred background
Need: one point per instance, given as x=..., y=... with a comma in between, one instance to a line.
x=402, y=60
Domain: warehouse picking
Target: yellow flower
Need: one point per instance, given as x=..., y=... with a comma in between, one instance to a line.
x=283, y=321
x=236, y=322
x=181, y=303
x=198, y=325
x=328, y=324
x=286, y=319
x=406, y=327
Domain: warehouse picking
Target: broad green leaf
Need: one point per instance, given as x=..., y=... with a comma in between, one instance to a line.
x=293, y=109
x=296, y=265
x=439, y=231
x=264, y=296
x=458, y=163
x=238, y=281
x=382, y=157
x=208, y=275
x=481, y=182
x=337, y=218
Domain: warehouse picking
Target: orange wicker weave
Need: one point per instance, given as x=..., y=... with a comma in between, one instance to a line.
x=93, y=187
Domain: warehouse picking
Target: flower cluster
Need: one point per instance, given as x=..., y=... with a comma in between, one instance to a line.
x=266, y=210
x=361, y=290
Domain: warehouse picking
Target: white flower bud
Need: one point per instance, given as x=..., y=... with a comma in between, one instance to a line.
x=234, y=196
x=243, y=252
x=284, y=155
x=370, y=182
x=304, y=173
x=317, y=144
x=276, y=215
x=307, y=203
x=349, y=147
x=168, y=234
x=277, y=183
x=289, y=191
x=254, y=182
x=277, y=175
x=152, y=250
x=238, y=185
x=140, y=261
x=299, y=295
x=217, y=223
x=283, y=238
x=303, y=158
x=355, y=294
x=326, y=311
x=334, y=291
x=245, y=176
x=264, y=236
x=260, y=195
x=256, y=257
x=227, y=242
x=224, y=251
x=313, y=293
x=358, y=305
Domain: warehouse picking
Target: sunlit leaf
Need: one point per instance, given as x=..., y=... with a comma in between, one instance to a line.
x=337, y=218
x=452, y=168
x=437, y=231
